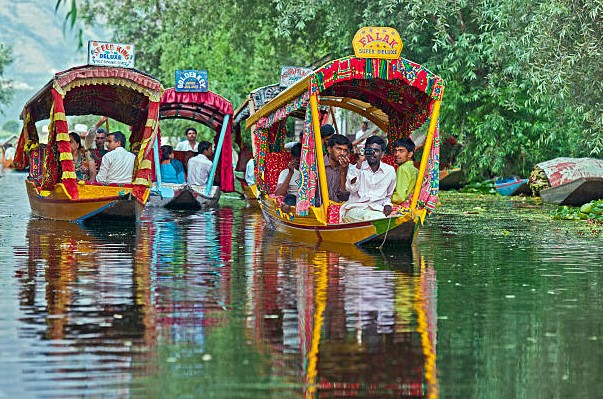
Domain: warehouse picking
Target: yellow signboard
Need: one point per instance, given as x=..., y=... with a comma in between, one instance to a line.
x=377, y=42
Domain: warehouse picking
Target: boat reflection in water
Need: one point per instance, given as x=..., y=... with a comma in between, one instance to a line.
x=101, y=299
x=350, y=323
x=207, y=305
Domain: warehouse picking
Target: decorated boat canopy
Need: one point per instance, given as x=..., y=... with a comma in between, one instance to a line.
x=396, y=94
x=209, y=109
x=125, y=95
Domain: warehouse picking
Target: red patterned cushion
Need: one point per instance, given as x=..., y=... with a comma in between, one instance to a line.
x=390, y=160
x=333, y=213
x=275, y=162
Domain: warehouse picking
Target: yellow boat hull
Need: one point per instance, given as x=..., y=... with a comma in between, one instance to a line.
x=397, y=230
x=99, y=201
x=251, y=195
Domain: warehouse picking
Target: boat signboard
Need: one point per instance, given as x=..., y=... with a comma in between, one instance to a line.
x=291, y=74
x=377, y=42
x=191, y=80
x=110, y=54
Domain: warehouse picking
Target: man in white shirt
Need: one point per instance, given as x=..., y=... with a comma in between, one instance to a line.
x=118, y=164
x=190, y=144
x=371, y=184
x=199, y=166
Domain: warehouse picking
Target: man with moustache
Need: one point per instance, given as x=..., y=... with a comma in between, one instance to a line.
x=371, y=184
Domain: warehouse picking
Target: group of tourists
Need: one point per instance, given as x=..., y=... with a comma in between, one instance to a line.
x=369, y=188
x=103, y=158
x=198, y=167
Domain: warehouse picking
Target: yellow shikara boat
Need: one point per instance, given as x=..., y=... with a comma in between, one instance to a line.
x=123, y=94
x=396, y=94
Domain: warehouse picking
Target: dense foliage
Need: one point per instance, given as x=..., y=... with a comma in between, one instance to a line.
x=6, y=91
x=523, y=78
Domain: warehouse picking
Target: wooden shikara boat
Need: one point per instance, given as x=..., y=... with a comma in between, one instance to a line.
x=396, y=94
x=572, y=181
x=215, y=112
x=123, y=94
x=512, y=186
x=256, y=100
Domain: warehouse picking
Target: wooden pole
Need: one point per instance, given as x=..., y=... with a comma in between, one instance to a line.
x=320, y=159
x=433, y=123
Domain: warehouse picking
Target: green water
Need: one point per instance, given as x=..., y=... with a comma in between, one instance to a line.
x=495, y=300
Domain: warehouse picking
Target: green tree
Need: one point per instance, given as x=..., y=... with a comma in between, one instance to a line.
x=6, y=90
x=522, y=78
x=11, y=127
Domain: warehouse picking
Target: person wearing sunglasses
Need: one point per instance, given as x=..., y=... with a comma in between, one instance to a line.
x=371, y=184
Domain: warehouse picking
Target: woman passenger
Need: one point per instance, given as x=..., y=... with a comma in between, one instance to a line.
x=85, y=168
x=172, y=170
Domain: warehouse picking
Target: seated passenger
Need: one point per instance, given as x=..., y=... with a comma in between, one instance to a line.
x=118, y=164
x=250, y=172
x=289, y=179
x=337, y=161
x=190, y=143
x=371, y=184
x=200, y=165
x=85, y=168
x=406, y=174
x=172, y=170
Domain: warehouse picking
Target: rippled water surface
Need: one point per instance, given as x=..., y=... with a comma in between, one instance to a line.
x=494, y=302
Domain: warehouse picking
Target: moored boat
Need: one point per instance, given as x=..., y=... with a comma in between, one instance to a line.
x=450, y=179
x=512, y=186
x=121, y=93
x=568, y=181
x=397, y=95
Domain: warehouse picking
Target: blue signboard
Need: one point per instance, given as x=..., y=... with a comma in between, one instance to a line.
x=191, y=80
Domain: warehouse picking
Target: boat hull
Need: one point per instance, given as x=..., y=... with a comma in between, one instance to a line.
x=94, y=201
x=394, y=231
x=251, y=196
x=575, y=193
x=185, y=197
x=513, y=187
x=450, y=179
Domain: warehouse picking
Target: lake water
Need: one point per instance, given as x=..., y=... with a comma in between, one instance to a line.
x=497, y=302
